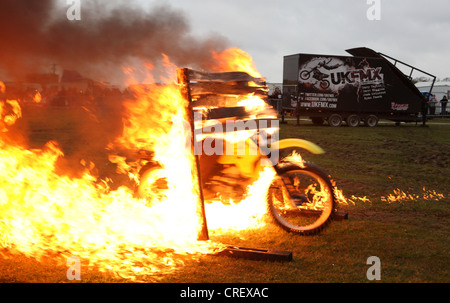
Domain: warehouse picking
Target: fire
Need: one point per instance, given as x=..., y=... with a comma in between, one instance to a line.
x=249, y=213
x=10, y=111
x=295, y=157
x=44, y=212
x=399, y=195
x=37, y=97
x=234, y=59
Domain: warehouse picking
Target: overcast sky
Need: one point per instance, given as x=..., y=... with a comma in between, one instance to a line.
x=415, y=31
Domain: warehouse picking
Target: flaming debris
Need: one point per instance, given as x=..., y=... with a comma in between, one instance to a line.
x=10, y=111
x=397, y=196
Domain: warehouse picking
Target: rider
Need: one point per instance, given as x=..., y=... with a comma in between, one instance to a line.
x=328, y=67
x=318, y=74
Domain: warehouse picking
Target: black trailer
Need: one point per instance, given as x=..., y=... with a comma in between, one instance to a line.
x=363, y=87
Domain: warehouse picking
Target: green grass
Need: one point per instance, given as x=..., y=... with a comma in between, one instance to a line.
x=381, y=158
x=410, y=237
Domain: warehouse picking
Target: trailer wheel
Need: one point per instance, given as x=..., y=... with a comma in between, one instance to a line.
x=335, y=120
x=371, y=121
x=353, y=120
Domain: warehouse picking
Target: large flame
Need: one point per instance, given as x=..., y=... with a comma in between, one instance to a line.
x=234, y=59
x=45, y=212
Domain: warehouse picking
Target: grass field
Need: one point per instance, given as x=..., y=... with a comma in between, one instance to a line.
x=410, y=236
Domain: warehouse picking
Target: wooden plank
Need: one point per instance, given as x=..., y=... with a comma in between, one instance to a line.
x=256, y=254
x=214, y=101
x=340, y=215
x=237, y=113
x=218, y=101
x=224, y=77
x=208, y=101
x=183, y=80
x=227, y=112
x=198, y=89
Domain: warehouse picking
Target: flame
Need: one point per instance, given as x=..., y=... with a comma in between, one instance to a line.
x=248, y=214
x=294, y=157
x=37, y=97
x=44, y=212
x=10, y=111
x=399, y=195
x=254, y=105
x=234, y=59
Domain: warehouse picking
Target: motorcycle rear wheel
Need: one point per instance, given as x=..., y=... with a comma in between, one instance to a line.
x=301, y=199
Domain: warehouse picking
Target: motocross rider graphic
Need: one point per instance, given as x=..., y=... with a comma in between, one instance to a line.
x=318, y=75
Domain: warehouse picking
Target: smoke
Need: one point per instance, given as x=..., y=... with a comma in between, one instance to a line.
x=112, y=36
x=37, y=34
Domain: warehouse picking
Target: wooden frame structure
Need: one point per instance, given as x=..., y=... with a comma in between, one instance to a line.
x=220, y=94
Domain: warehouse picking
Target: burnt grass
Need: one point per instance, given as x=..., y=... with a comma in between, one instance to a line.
x=410, y=236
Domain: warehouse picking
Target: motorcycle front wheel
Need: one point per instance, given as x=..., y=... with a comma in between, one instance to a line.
x=304, y=75
x=301, y=198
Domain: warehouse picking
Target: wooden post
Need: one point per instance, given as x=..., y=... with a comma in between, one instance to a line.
x=183, y=80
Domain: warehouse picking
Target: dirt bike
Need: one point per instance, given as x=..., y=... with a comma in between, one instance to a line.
x=300, y=198
x=316, y=74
